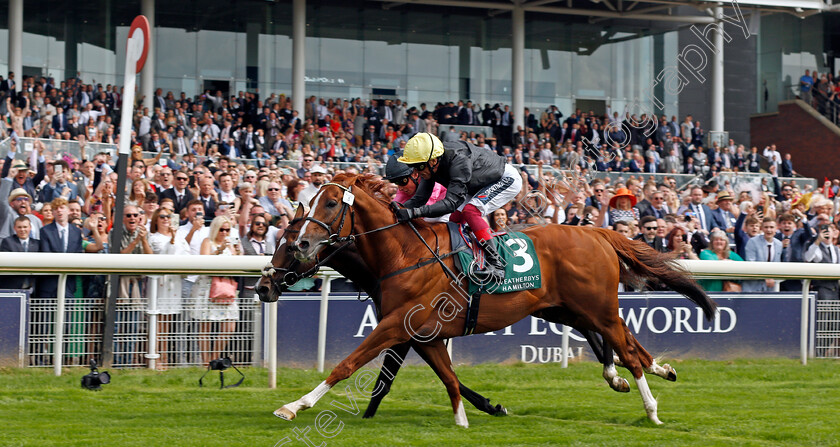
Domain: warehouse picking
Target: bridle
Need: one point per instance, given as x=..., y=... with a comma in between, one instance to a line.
x=290, y=277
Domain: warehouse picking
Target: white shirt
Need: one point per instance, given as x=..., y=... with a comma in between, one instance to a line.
x=195, y=243
x=229, y=196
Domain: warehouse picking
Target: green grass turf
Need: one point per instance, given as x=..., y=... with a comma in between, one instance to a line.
x=745, y=402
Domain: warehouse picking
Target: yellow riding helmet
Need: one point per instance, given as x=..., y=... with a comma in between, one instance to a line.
x=421, y=148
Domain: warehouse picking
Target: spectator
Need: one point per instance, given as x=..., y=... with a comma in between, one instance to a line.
x=806, y=82
x=649, y=228
x=21, y=241
x=623, y=228
x=678, y=244
x=499, y=220
x=719, y=251
x=19, y=205
x=219, y=243
x=18, y=171
x=180, y=194
x=130, y=297
x=193, y=233
x=763, y=248
x=163, y=242
x=59, y=237
x=723, y=217
x=318, y=176
x=823, y=250
x=622, y=206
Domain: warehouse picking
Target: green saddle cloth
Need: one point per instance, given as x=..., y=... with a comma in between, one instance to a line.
x=522, y=267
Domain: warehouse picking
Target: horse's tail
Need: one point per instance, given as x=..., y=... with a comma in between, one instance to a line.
x=638, y=262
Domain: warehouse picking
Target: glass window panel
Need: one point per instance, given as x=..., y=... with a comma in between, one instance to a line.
x=214, y=54
x=345, y=58
x=177, y=58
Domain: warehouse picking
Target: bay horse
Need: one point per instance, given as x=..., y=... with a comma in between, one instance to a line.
x=585, y=266
x=284, y=270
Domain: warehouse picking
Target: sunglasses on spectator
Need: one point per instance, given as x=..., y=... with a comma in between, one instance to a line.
x=259, y=224
x=658, y=198
x=164, y=216
x=22, y=199
x=132, y=215
x=651, y=228
x=599, y=190
x=224, y=230
x=102, y=218
x=273, y=189
x=182, y=178
x=308, y=159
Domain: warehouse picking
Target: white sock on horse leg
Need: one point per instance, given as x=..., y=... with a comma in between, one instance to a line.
x=310, y=399
x=461, y=416
x=648, y=400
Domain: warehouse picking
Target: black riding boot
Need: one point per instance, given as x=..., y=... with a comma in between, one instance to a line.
x=494, y=266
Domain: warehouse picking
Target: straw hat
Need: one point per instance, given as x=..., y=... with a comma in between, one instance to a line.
x=623, y=192
x=804, y=200
x=723, y=195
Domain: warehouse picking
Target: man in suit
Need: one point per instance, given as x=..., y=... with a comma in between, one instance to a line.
x=179, y=193
x=722, y=217
x=648, y=236
x=59, y=237
x=19, y=242
x=763, y=248
x=701, y=210
x=787, y=167
x=59, y=121
x=824, y=252
x=657, y=208
x=208, y=197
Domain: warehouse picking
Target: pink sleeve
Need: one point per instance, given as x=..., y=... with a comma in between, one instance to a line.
x=437, y=194
x=401, y=197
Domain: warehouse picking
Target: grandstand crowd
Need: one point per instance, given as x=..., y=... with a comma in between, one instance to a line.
x=237, y=169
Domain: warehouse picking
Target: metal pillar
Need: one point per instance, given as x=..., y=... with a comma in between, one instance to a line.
x=58, y=347
x=16, y=40
x=147, y=75
x=518, y=62
x=298, y=56
x=322, y=320
x=717, y=76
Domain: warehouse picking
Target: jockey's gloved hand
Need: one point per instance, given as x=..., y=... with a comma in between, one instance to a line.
x=405, y=214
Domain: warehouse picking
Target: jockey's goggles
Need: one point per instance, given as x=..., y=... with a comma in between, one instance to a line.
x=402, y=181
x=419, y=166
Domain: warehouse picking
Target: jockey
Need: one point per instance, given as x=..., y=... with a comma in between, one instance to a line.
x=477, y=183
x=407, y=181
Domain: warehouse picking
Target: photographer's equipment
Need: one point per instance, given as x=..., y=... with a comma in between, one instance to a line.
x=95, y=379
x=221, y=365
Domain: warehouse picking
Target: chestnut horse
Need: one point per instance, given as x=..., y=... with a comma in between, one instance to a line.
x=585, y=266
x=285, y=270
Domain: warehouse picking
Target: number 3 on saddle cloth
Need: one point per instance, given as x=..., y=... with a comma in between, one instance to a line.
x=522, y=267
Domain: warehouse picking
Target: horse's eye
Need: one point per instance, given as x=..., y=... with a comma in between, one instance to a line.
x=332, y=204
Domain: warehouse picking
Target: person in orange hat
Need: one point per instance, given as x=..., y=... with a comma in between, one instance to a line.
x=622, y=206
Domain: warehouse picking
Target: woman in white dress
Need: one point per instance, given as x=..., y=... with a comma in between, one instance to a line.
x=219, y=243
x=163, y=242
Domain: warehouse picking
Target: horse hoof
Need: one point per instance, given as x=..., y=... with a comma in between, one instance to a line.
x=672, y=373
x=284, y=413
x=655, y=420
x=500, y=411
x=623, y=386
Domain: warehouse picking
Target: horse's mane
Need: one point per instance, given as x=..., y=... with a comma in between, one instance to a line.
x=375, y=187
x=369, y=182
